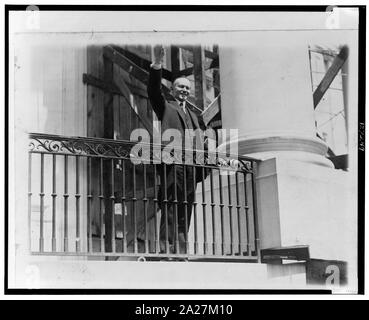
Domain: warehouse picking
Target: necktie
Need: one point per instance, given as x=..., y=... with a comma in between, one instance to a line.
x=182, y=105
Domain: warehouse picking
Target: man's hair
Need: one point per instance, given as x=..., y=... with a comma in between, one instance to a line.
x=181, y=77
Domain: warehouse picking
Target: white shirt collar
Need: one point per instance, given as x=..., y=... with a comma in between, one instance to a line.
x=183, y=106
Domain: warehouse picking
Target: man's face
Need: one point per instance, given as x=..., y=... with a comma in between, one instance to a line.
x=181, y=89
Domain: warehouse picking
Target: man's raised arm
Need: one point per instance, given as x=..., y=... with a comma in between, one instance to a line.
x=154, y=85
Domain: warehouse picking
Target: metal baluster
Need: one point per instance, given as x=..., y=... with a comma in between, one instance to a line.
x=134, y=199
x=42, y=208
x=78, y=196
x=53, y=195
x=175, y=207
x=112, y=199
x=204, y=210
x=101, y=197
x=221, y=205
x=123, y=205
x=254, y=202
x=196, y=244
x=230, y=210
x=212, y=204
x=185, y=204
x=89, y=201
x=29, y=200
x=165, y=202
x=145, y=210
x=157, y=232
x=66, y=195
x=238, y=207
x=247, y=215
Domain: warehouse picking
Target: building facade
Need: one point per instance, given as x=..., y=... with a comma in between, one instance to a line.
x=285, y=216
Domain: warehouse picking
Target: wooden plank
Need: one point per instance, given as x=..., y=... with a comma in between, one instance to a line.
x=174, y=55
x=121, y=89
x=119, y=59
x=188, y=48
x=199, y=74
x=80, y=107
x=345, y=84
x=214, y=63
x=95, y=64
x=108, y=134
x=95, y=126
x=125, y=110
x=108, y=102
x=117, y=173
x=130, y=67
x=186, y=72
x=137, y=51
x=330, y=75
x=187, y=54
x=101, y=84
x=216, y=77
x=141, y=117
x=133, y=119
x=211, y=111
x=216, y=121
x=211, y=54
x=121, y=84
x=191, y=102
x=116, y=117
x=123, y=116
x=208, y=54
x=95, y=96
x=137, y=90
x=299, y=253
x=113, y=87
x=141, y=103
x=134, y=55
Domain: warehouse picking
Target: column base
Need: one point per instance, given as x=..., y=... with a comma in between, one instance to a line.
x=284, y=146
x=304, y=204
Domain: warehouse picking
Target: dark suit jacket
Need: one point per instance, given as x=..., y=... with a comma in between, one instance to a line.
x=168, y=112
x=171, y=118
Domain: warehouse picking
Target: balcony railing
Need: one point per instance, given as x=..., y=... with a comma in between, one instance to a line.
x=87, y=198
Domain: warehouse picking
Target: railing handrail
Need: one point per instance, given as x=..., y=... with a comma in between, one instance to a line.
x=35, y=135
x=121, y=149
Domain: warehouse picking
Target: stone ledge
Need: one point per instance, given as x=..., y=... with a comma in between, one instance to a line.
x=158, y=275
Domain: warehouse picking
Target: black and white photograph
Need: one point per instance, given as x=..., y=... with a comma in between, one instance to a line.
x=166, y=149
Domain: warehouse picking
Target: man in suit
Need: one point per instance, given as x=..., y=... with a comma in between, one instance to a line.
x=175, y=199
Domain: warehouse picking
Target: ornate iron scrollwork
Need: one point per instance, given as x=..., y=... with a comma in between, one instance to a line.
x=79, y=146
x=123, y=150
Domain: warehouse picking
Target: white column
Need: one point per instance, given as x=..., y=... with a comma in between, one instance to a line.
x=267, y=96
